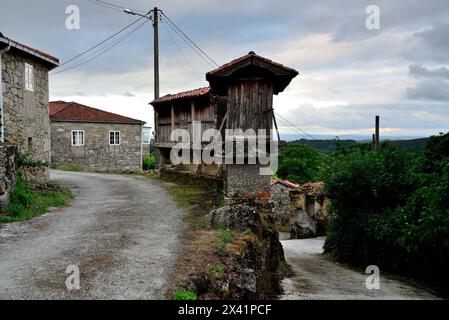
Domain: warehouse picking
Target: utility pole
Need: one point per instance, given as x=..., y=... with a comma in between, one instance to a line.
x=155, y=19
x=156, y=52
x=377, y=141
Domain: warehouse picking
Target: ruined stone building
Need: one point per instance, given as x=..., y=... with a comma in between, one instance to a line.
x=93, y=138
x=309, y=211
x=24, y=97
x=280, y=192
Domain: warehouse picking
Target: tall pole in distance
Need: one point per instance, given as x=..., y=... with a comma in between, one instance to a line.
x=377, y=131
x=156, y=52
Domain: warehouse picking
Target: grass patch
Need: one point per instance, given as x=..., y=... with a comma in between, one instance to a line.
x=29, y=200
x=215, y=268
x=184, y=295
x=68, y=167
x=186, y=196
x=226, y=235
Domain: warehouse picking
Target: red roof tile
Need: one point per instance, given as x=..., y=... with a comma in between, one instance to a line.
x=249, y=55
x=75, y=112
x=25, y=48
x=182, y=95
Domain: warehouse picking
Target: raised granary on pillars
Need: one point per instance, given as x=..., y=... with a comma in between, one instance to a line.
x=249, y=83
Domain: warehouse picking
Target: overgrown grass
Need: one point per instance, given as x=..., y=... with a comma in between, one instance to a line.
x=148, y=162
x=68, y=167
x=28, y=202
x=184, y=295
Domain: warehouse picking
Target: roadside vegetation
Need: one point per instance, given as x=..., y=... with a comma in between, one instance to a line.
x=68, y=167
x=149, y=162
x=391, y=208
x=29, y=199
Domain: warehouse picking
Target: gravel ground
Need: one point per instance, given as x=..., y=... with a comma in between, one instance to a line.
x=122, y=232
x=316, y=277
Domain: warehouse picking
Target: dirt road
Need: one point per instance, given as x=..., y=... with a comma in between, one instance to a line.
x=316, y=277
x=121, y=231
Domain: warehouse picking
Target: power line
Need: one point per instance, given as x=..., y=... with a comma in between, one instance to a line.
x=191, y=46
x=179, y=49
x=100, y=43
x=289, y=126
x=112, y=5
x=105, y=50
x=294, y=126
x=190, y=40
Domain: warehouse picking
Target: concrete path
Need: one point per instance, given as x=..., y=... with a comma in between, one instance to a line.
x=316, y=277
x=121, y=231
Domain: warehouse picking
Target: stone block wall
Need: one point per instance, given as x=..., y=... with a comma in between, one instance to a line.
x=96, y=153
x=281, y=202
x=26, y=113
x=243, y=182
x=8, y=167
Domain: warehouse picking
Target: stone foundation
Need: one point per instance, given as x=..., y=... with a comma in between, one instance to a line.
x=8, y=167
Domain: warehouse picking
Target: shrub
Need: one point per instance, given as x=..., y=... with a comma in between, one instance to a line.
x=226, y=235
x=21, y=197
x=391, y=209
x=149, y=162
x=184, y=295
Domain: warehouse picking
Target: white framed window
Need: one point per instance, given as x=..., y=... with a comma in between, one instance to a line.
x=114, y=138
x=77, y=137
x=146, y=136
x=29, y=77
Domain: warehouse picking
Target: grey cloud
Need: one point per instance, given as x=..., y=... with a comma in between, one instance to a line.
x=414, y=114
x=437, y=90
x=417, y=70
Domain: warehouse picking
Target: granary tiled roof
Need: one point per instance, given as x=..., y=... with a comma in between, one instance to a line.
x=75, y=112
x=285, y=183
x=251, y=54
x=24, y=48
x=182, y=95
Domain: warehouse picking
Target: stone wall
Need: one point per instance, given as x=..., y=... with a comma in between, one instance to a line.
x=96, y=153
x=243, y=182
x=40, y=174
x=281, y=202
x=8, y=167
x=26, y=113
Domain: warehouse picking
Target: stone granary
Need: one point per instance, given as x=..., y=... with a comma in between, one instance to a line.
x=24, y=97
x=93, y=138
x=280, y=192
x=309, y=211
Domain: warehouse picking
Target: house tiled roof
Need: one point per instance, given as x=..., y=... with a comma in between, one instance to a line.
x=312, y=188
x=285, y=183
x=182, y=95
x=251, y=54
x=75, y=112
x=19, y=46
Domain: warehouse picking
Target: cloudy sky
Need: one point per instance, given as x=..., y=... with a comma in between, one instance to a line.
x=348, y=74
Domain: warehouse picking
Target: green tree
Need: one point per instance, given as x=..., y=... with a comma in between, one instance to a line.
x=300, y=163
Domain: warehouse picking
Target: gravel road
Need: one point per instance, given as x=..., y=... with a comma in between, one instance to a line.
x=316, y=277
x=121, y=231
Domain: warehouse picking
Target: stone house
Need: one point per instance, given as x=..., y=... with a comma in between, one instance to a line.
x=309, y=211
x=93, y=138
x=280, y=192
x=24, y=97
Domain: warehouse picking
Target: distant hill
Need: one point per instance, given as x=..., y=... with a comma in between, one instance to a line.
x=415, y=145
x=329, y=146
